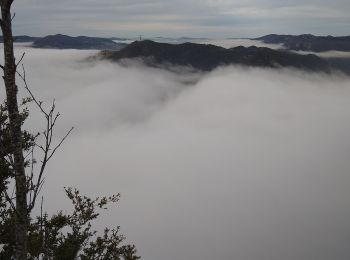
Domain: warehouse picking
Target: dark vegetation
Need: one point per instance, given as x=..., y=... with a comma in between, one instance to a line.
x=340, y=64
x=208, y=57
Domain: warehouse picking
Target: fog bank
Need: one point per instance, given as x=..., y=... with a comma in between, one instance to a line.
x=239, y=163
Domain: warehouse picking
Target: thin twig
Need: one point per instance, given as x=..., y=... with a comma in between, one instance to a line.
x=47, y=149
x=20, y=60
x=10, y=201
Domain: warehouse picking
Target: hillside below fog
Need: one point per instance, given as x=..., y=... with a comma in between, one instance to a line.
x=207, y=57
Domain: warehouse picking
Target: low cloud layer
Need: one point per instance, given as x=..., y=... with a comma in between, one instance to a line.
x=240, y=163
x=231, y=43
x=328, y=54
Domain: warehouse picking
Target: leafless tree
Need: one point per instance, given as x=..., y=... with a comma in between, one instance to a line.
x=15, y=131
x=27, y=186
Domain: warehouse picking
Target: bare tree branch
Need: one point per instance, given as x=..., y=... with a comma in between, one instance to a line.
x=47, y=148
x=10, y=201
x=20, y=60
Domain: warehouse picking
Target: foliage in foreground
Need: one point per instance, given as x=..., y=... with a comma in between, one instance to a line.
x=61, y=236
x=68, y=236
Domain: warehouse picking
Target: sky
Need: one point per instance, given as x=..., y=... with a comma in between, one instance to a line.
x=181, y=18
x=239, y=163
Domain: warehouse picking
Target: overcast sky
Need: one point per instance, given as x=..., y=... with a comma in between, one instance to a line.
x=176, y=18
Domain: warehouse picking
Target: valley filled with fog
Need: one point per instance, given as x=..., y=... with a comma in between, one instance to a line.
x=239, y=163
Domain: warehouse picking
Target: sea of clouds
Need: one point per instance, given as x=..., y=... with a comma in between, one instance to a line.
x=240, y=163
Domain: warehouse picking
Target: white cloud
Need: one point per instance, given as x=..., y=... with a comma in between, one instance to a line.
x=236, y=164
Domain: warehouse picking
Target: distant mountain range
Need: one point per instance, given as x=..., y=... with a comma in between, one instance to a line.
x=22, y=38
x=309, y=42
x=208, y=57
x=60, y=41
x=305, y=42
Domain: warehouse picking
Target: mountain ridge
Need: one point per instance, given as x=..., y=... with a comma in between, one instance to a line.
x=60, y=41
x=308, y=42
x=207, y=57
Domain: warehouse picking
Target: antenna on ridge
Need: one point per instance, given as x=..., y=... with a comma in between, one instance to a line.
x=140, y=37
